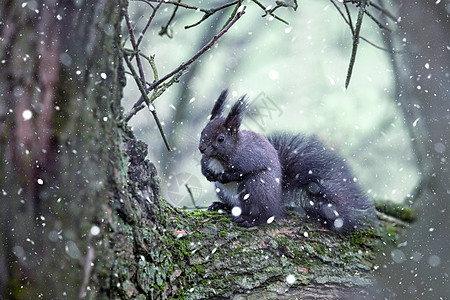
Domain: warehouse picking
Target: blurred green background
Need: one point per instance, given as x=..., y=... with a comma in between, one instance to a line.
x=294, y=74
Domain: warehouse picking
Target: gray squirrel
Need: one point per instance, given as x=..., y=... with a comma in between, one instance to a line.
x=258, y=178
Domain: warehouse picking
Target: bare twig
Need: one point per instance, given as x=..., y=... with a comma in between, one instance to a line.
x=382, y=26
x=350, y=24
x=151, y=107
x=183, y=5
x=280, y=4
x=208, y=13
x=164, y=29
x=149, y=21
x=127, y=116
x=349, y=21
x=137, y=106
x=268, y=12
x=361, y=13
x=136, y=49
x=150, y=59
x=384, y=11
x=200, y=52
x=349, y=15
x=373, y=44
x=190, y=195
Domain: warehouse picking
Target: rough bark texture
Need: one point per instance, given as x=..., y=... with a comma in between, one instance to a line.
x=81, y=214
x=60, y=143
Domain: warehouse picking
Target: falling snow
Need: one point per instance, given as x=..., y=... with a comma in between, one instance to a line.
x=236, y=211
x=290, y=279
x=27, y=114
x=95, y=230
x=273, y=74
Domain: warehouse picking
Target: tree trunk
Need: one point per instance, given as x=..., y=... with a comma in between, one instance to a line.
x=61, y=85
x=81, y=214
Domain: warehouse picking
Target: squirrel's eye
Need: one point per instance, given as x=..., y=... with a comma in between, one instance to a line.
x=220, y=139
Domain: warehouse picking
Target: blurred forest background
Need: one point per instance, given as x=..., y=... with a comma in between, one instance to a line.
x=294, y=74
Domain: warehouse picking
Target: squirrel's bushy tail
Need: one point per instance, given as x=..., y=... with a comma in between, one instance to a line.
x=317, y=180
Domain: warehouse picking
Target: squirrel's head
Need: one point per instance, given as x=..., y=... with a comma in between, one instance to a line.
x=220, y=137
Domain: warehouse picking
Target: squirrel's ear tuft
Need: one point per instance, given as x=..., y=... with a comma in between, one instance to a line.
x=220, y=105
x=234, y=118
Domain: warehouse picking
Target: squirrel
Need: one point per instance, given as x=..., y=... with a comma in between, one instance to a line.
x=257, y=178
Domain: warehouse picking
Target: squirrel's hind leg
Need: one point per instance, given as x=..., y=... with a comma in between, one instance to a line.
x=244, y=221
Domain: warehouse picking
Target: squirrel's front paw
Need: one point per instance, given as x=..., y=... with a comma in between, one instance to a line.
x=216, y=206
x=210, y=175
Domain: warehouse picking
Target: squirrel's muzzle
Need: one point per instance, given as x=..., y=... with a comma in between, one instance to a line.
x=202, y=148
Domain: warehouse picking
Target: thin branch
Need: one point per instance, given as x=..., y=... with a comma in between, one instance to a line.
x=382, y=26
x=232, y=15
x=151, y=61
x=151, y=107
x=280, y=4
x=384, y=11
x=208, y=13
x=205, y=16
x=349, y=15
x=136, y=49
x=137, y=106
x=200, y=52
x=149, y=21
x=183, y=5
x=131, y=74
x=187, y=6
x=373, y=44
x=350, y=24
x=164, y=29
x=127, y=117
x=361, y=13
x=268, y=12
x=190, y=195
x=349, y=21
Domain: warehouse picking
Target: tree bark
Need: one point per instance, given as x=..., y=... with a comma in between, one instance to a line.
x=61, y=85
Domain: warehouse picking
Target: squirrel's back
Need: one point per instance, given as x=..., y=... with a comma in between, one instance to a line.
x=318, y=180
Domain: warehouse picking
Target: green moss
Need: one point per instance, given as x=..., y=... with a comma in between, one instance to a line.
x=397, y=210
x=362, y=239
x=199, y=270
